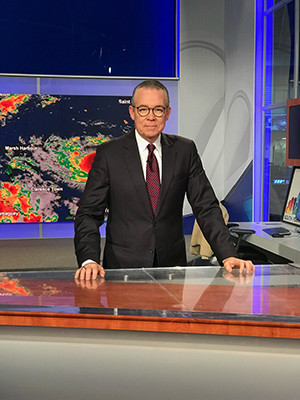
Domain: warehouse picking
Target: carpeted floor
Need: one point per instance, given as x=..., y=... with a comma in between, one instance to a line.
x=36, y=254
x=45, y=254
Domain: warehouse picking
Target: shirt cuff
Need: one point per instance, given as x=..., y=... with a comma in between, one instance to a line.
x=87, y=261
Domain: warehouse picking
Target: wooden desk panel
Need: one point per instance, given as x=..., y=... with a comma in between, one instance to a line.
x=153, y=324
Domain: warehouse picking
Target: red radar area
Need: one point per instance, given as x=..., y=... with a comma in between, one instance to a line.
x=11, y=103
x=86, y=162
x=15, y=206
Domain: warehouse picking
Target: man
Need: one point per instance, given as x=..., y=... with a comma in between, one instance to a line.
x=144, y=226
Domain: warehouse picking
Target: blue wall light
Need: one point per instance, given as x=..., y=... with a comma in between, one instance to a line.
x=258, y=102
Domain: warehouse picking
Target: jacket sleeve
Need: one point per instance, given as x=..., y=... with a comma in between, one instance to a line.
x=91, y=210
x=206, y=209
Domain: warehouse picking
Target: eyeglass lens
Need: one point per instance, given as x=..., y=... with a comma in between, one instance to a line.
x=157, y=111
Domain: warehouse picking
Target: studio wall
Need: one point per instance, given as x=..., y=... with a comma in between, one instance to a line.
x=216, y=86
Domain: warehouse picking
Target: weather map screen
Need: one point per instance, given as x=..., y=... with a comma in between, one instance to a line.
x=47, y=146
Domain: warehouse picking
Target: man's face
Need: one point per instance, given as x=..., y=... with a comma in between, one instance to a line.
x=150, y=127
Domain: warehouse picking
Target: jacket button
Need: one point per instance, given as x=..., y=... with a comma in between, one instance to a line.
x=151, y=251
x=154, y=223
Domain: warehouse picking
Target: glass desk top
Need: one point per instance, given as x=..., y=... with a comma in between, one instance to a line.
x=272, y=293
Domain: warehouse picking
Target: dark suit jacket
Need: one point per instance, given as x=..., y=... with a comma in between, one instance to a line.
x=133, y=234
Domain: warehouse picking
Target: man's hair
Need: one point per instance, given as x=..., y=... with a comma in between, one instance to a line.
x=150, y=84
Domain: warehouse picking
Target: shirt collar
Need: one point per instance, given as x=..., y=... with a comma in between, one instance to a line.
x=142, y=143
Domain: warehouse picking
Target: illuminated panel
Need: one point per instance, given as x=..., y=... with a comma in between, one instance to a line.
x=99, y=38
x=47, y=147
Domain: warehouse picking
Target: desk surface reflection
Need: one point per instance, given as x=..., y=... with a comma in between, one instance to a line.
x=182, y=299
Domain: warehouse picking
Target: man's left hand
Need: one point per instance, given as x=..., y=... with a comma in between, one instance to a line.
x=232, y=262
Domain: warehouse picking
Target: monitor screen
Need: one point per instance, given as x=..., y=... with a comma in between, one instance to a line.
x=114, y=38
x=291, y=212
x=293, y=133
x=47, y=146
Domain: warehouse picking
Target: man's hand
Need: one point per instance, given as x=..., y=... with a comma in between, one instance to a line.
x=90, y=270
x=232, y=262
x=91, y=285
x=238, y=279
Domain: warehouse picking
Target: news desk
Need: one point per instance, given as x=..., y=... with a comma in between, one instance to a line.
x=287, y=247
x=164, y=333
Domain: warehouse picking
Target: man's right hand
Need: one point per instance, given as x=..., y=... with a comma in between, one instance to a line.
x=90, y=270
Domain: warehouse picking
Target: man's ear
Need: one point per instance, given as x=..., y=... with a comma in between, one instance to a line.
x=168, y=113
x=131, y=112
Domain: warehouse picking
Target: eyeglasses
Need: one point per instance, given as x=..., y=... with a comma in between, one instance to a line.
x=158, y=111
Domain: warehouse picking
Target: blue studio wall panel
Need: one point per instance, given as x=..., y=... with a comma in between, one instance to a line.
x=19, y=231
x=17, y=85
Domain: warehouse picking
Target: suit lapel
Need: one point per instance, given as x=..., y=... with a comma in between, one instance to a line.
x=133, y=162
x=168, y=163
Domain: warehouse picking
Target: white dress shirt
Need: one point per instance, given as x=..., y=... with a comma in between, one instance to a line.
x=143, y=150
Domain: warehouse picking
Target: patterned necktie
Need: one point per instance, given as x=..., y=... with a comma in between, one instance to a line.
x=152, y=178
